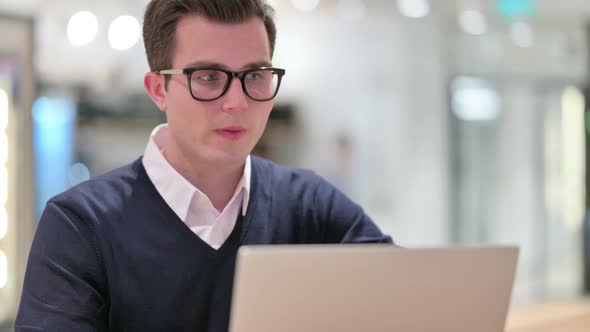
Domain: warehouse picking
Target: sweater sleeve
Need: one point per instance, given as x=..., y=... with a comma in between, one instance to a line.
x=64, y=279
x=345, y=221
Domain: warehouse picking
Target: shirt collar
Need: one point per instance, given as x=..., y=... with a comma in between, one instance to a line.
x=173, y=187
x=245, y=183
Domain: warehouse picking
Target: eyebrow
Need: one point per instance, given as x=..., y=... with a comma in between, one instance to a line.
x=212, y=64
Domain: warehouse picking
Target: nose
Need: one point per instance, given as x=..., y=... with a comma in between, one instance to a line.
x=235, y=99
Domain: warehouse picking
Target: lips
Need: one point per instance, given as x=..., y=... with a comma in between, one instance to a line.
x=232, y=132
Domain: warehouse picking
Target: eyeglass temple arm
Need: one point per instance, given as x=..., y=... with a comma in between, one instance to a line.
x=171, y=71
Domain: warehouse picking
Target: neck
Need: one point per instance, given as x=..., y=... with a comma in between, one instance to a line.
x=218, y=183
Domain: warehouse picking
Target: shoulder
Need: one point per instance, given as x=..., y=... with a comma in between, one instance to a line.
x=293, y=183
x=103, y=194
x=275, y=176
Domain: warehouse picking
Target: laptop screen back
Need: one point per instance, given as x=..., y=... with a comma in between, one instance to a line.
x=372, y=288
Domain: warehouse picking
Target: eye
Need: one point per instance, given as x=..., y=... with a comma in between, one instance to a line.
x=253, y=76
x=210, y=77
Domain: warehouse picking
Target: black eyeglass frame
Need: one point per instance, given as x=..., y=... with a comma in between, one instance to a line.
x=230, y=75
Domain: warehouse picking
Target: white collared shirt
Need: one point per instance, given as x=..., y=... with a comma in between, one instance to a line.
x=191, y=205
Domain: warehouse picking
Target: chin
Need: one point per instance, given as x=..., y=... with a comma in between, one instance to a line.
x=228, y=157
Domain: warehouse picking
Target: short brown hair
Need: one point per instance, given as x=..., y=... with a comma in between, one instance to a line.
x=161, y=18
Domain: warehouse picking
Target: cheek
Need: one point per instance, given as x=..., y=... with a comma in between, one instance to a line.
x=190, y=119
x=264, y=114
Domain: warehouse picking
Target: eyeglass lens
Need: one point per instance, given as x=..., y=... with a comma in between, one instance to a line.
x=210, y=84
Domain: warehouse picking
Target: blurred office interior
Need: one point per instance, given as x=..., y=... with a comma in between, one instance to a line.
x=449, y=121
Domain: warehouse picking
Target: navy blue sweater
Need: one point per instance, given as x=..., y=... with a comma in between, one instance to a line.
x=111, y=255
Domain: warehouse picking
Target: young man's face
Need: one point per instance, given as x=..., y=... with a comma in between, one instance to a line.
x=224, y=131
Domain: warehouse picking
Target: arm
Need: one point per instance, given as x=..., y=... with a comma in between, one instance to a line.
x=64, y=284
x=346, y=221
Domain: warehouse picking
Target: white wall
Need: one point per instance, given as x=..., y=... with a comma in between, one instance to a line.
x=382, y=81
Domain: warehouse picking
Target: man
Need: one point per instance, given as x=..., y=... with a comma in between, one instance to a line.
x=151, y=246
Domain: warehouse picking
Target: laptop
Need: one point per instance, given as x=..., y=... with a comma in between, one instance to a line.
x=325, y=288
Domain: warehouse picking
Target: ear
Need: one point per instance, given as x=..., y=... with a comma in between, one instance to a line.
x=155, y=86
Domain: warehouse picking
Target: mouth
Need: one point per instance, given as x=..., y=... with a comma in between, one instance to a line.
x=231, y=133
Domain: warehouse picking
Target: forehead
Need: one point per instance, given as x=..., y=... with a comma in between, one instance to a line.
x=234, y=45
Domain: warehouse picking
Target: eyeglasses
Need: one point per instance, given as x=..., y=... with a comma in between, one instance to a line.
x=208, y=84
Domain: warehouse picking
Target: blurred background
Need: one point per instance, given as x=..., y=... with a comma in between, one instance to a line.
x=449, y=121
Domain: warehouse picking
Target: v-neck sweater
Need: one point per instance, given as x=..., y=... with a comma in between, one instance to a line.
x=111, y=255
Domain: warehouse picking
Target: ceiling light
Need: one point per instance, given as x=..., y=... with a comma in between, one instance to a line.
x=474, y=100
x=473, y=22
x=124, y=32
x=414, y=8
x=82, y=28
